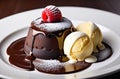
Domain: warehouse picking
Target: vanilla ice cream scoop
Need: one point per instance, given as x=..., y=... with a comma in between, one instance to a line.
x=78, y=46
x=93, y=31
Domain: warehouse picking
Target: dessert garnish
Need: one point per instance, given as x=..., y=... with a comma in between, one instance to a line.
x=51, y=14
x=53, y=45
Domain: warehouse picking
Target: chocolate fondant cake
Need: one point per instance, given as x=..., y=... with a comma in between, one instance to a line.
x=45, y=40
x=54, y=46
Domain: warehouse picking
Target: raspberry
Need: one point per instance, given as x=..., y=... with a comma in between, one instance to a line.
x=51, y=14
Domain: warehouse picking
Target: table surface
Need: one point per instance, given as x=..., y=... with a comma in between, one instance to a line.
x=10, y=7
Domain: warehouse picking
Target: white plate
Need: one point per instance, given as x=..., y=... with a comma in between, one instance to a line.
x=15, y=26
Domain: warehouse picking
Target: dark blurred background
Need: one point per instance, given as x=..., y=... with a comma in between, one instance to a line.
x=10, y=7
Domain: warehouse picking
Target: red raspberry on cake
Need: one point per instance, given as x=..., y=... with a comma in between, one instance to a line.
x=51, y=14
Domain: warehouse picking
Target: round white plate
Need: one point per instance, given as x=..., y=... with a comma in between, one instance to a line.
x=16, y=26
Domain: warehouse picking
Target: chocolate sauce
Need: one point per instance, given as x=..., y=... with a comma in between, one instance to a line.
x=103, y=54
x=18, y=58
x=55, y=67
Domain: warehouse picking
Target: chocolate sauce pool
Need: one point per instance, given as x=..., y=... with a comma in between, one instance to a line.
x=18, y=58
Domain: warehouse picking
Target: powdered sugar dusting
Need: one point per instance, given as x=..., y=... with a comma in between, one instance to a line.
x=51, y=7
x=53, y=27
x=57, y=67
x=48, y=65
